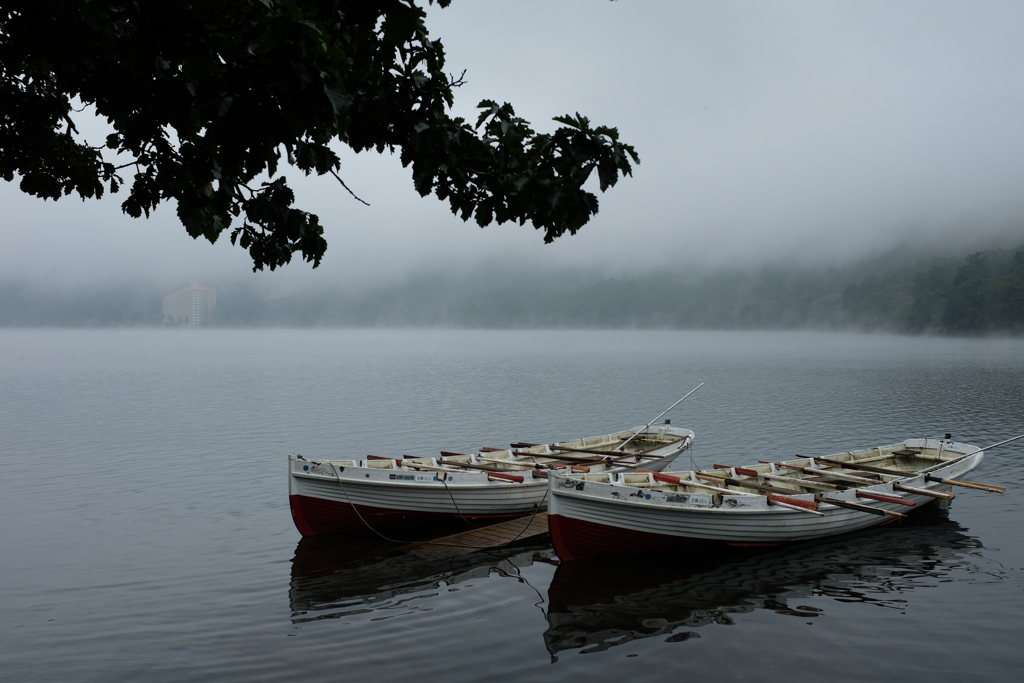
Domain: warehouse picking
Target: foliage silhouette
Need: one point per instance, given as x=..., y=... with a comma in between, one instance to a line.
x=207, y=97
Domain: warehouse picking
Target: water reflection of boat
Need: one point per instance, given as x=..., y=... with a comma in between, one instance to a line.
x=332, y=580
x=597, y=604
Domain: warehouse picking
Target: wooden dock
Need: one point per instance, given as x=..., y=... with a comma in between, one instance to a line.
x=492, y=536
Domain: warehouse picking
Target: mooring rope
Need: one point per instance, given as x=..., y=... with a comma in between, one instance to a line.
x=344, y=490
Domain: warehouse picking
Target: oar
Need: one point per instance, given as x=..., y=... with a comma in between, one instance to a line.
x=773, y=499
x=748, y=485
x=991, y=488
x=882, y=497
x=923, y=492
x=531, y=465
x=811, y=485
x=747, y=472
x=928, y=477
x=970, y=484
x=864, y=468
x=549, y=458
x=432, y=468
x=484, y=468
x=857, y=506
x=836, y=475
x=646, y=426
x=556, y=447
x=819, y=485
x=416, y=466
x=491, y=472
x=679, y=481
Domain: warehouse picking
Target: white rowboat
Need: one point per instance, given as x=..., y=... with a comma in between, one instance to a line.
x=612, y=514
x=329, y=496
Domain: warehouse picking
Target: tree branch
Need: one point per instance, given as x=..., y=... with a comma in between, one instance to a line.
x=457, y=82
x=358, y=199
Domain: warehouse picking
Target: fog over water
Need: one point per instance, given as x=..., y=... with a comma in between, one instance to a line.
x=768, y=132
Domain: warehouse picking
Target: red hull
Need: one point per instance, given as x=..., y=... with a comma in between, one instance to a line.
x=576, y=539
x=314, y=516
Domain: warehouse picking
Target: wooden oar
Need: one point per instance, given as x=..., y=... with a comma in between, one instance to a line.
x=857, y=506
x=679, y=481
x=811, y=484
x=773, y=499
x=506, y=477
x=749, y=485
x=747, y=472
x=483, y=468
x=865, y=468
x=923, y=492
x=580, y=459
x=820, y=485
x=531, y=465
x=639, y=458
x=836, y=475
x=861, y=493
x=803, y=483
x=492, y=472
x=991, y=488
x=525, y=465
x=431, y=468
x=617, y=454
x=564, y=457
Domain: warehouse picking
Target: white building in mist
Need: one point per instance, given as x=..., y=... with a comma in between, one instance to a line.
x=192, y=306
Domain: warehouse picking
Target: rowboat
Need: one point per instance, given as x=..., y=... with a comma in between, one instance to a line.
x=375, y=492
x=637, y=513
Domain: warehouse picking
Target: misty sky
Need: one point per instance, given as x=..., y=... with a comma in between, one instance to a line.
x=766, y=130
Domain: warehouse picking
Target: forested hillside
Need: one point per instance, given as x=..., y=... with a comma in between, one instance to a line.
x=983, y=292
x=966, y=295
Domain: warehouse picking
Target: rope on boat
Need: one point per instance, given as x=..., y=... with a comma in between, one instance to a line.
x=449, y=492
x=536, y=510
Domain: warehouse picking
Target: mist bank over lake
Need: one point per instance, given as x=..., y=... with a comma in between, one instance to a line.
x=974, y=293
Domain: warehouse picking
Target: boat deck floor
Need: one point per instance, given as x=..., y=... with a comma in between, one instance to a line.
x=492, y=536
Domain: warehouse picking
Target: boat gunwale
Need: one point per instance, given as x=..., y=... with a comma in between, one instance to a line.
x=491, y=483
x=434, y=464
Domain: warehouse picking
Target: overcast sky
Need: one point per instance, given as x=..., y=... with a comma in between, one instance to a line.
x=766, y=130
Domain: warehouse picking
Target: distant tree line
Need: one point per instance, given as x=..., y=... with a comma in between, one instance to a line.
x=983, y=292
x=977, y=294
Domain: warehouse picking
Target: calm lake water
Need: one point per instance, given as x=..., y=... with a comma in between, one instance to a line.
x=145, y=531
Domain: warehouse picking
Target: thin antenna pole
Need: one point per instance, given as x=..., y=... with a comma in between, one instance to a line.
x=623, y=444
